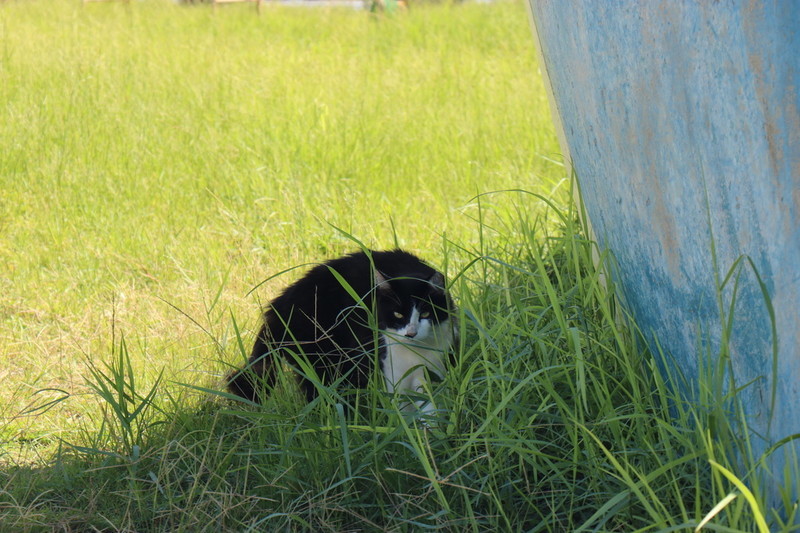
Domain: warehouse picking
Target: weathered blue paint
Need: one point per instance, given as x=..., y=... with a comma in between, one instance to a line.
x=682, y=121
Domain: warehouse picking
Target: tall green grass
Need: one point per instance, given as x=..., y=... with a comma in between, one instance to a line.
x=163, y=160
x=554, y=419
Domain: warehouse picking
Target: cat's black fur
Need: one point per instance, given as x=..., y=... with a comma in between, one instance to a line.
x=318, y=319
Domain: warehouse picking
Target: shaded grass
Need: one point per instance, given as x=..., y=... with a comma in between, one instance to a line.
x=555, y=419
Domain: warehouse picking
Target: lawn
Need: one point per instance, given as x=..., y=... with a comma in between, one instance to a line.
x=163, y=164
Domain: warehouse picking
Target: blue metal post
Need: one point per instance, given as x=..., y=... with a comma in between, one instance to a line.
x=682, y=121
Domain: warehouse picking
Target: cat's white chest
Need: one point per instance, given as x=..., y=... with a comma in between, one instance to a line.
x=406, y=359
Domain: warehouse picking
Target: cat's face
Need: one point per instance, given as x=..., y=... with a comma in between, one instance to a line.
x=411, y=307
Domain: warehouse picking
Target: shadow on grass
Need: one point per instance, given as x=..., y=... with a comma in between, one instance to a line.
x=555, y=418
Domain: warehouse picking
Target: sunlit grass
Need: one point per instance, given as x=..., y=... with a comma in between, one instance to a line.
x=157, y=155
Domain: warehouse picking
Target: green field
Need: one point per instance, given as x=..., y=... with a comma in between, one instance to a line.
x=162, y=163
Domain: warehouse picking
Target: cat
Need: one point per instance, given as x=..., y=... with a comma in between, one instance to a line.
x=343, y=313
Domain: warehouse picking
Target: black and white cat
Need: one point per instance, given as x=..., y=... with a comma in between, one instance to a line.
x=342, y=311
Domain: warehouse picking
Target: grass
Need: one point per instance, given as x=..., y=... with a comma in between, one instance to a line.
x=162, y=161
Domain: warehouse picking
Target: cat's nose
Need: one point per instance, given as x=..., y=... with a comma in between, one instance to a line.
x=411, y=332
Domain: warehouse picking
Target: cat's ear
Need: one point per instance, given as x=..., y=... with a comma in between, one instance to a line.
x=437, y=281
x=381, y=283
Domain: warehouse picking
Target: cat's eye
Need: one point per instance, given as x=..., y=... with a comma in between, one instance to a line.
x=398, y=315
x=425, y=314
